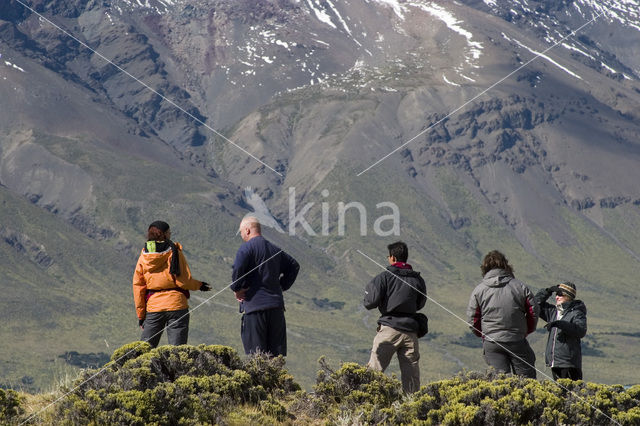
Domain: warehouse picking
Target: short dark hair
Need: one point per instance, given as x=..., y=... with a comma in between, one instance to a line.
x=495, y=260
x=156, y=234
x=399, y=250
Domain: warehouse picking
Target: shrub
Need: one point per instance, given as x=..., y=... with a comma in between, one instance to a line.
x=270, y=375
x=271, y=407
x=10, y=408
x=355, y=389
x=190, y=385
x=477, y=399
x=130, y=351
x=176, y=385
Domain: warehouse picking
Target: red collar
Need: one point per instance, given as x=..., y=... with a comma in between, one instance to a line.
x=402, y=265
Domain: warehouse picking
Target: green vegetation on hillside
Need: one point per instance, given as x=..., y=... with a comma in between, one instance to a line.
x=68, y=293
x=190, y=385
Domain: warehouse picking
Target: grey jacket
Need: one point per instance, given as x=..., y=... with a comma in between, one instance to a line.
x=563, y=345
x=502, y=308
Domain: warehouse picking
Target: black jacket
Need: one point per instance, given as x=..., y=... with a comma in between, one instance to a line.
x=394, y=294
x=563, y=345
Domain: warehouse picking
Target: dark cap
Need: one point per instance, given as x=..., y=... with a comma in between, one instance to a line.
x=163, y=226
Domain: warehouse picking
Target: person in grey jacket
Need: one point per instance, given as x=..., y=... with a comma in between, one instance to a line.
x=503, y=312
x=398, y=293
x=567, y=324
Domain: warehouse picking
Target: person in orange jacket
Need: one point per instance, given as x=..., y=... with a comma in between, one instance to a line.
x=161, y=284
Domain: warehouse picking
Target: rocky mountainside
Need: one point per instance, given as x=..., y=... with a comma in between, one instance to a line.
x=490, y=124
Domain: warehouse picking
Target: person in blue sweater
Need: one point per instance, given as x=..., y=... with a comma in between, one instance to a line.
x=261, y=272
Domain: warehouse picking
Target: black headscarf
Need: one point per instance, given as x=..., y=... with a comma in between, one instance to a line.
x=161, y=225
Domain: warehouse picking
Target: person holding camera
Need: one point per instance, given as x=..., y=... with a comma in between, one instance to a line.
x=567, y=324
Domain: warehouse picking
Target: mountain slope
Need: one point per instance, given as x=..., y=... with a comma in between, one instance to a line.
x=490, y=137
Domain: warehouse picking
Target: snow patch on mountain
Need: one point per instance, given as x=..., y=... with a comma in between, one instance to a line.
x=340, y=19
x=543, y=56
x=446, y=80
x=12, y=65
x=320, y=13
x=453, y=23
x=158, y=6
x=575, y=49
x=395, y=5
x=326, y=11
x=626, y=12
x=467, y=78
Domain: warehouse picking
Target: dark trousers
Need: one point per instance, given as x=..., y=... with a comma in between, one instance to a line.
x=264, y=331
x=566, y=373
x=511, y=357
x=176, y=323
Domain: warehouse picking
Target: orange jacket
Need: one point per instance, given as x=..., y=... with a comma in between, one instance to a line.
x=152, y=273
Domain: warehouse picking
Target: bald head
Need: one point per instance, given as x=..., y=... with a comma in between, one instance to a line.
x=249, y=228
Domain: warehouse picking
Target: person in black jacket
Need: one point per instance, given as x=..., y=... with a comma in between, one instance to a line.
x=398, y=293
x=567, y=324
x=261, y=272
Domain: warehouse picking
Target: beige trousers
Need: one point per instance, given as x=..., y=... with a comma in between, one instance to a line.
x=390, y=341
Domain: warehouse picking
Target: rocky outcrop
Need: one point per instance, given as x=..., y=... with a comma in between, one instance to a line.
x=494, y=130
x=130, y=50
x=25, y=246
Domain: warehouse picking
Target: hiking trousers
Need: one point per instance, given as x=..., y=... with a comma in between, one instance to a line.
x=566, y=373
x=175, y=322
x=511, y=357
x=389, y=341
x=264, y=331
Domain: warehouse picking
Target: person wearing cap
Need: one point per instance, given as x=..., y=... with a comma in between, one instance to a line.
x=567, y=324
x=503, y=312
x=161, y=284
x=261, y=272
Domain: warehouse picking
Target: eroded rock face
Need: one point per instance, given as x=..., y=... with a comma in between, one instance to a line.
x=304, y=86
x=25, y=246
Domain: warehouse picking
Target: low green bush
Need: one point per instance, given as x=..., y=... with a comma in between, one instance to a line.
x=10, y=408
x=187, y=385
x=498, y=399
x=356, y=391
x=175, y=385
x=130, y=351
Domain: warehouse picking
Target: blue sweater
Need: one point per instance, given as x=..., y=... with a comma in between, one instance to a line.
x=265, y=283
